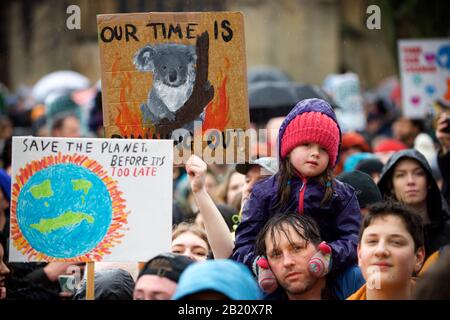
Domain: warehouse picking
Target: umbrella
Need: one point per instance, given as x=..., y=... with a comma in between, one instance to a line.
x=58, y=81
x=271, y=94
x=266, y=73
x=269, y=99
x=307, y=91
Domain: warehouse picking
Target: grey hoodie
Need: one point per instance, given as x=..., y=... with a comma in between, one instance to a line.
x=437, y=233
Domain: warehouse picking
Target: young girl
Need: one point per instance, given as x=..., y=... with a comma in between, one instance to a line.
x=308, y=146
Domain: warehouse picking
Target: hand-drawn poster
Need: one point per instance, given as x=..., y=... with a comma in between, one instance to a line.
x=168, y=75
x=425, y=75
x=90, y=199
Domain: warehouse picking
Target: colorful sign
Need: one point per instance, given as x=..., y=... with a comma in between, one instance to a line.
x=163, y=72
x=77, y=199
x=425, y=75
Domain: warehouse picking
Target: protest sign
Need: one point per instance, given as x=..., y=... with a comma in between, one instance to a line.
x=344, y=88
x=425, y=75
x=80, y=200
x=165, y=73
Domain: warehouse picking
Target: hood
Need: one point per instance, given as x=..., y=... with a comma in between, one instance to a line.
x=309, y=105
x=110, y=284
x=434, y=198
x=227, y=277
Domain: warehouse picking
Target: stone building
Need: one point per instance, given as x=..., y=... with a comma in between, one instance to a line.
x=307, y=39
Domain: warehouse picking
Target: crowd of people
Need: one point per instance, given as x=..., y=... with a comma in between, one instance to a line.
x=331, y=215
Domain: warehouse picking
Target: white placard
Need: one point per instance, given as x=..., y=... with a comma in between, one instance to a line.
x=90, y=199
x=425, y=75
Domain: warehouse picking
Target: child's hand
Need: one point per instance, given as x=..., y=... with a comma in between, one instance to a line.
x=196, y=169
x=320, y=263
x=266, y=279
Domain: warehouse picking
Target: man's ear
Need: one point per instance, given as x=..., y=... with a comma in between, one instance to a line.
x=420, y=257
x=143, y=60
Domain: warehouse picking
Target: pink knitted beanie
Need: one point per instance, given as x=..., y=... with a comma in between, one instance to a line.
x=312, y=127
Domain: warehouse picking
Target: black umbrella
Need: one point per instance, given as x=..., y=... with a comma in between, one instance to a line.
x=266, y=73
x=307, y=91
x=268, y=99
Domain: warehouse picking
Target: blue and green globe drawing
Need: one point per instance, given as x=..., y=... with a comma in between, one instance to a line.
x=64, y=210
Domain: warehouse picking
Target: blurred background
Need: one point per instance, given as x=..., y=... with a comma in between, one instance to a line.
x=307, y=39
x=295, y=49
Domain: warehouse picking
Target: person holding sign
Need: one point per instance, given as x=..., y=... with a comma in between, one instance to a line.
x=219, y=236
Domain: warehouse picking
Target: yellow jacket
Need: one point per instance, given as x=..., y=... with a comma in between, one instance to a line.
x=360, y=294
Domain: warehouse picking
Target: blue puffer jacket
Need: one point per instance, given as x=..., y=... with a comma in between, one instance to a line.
x=339, y=219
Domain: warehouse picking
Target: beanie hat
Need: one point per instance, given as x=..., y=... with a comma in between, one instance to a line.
x=270, y=164
x=370, y=166
x=354, y=159
x=367, y=191
x=60, y=105
x=312, y=127
x=389, y=145
x=227, y=277
x=354, y=139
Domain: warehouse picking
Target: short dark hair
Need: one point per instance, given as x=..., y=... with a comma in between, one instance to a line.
x=305, y=227
x=412, y=221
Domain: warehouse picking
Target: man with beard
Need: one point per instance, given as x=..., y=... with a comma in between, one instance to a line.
x=289, y=241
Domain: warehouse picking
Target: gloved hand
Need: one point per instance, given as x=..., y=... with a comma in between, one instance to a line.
x=266, y=279
x=320, y=263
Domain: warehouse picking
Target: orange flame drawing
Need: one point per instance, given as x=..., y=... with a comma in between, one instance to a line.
x=128, y=121
x=217, y=112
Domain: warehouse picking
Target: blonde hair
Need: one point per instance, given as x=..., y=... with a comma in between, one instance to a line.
x=184, y=227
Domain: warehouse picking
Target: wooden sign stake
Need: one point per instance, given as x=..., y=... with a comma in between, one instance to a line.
x=90, y=284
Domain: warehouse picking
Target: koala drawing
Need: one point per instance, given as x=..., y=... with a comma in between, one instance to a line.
x=173, y=68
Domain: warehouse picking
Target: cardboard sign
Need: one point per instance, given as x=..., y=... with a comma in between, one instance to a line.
x=425, y=75
x=163, y=72
x=90, y=199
